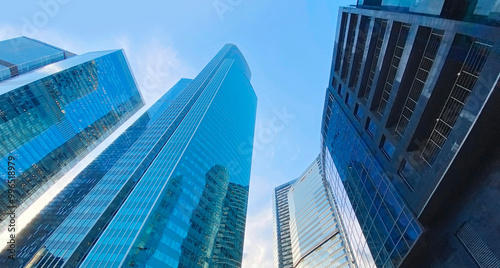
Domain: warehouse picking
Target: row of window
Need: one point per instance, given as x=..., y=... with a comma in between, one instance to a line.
x=385, y=219
x=362, y=35
x=388, y=149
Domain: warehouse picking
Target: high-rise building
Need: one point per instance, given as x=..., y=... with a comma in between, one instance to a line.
x=21, y=55
x=177, y=195
x=55, y=107
x=410, y=127
x=308, y=230
x=281, y=228
x=32, y=237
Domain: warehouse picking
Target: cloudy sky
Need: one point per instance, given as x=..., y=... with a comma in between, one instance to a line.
x=288, y=45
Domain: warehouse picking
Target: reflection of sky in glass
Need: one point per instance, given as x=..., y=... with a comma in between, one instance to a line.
x=317, y=237
x=188, y=47
x=27, y=54
x=208, y=137
x=388, y=225
x=388, y=148
x=431, y=7
x=372, y=127
x=356, y=238
x=4, y=72
x=192, y=148
x=398, y=3
x=60, y=112
x=485, y=7
x=56, y=212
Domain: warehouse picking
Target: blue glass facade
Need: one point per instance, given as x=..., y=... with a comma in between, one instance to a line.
x=228, y=247
x=179, y=193
x=39, y=229
x=317, y=234
x=51, y=117
x=479, y=11
x=22, y=54
x=386, y=223
x=283, y=257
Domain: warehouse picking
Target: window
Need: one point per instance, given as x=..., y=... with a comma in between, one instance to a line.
x=359, y=50
x=370, y=127
x=462, y=88
x=378, y=33
x=358, y=112
x=341, y=40
x=408, y=173
x=353, y=21
x=349, y=101
x=431, y=49
x=387, y=147
x=340, y=90
x=393, y=68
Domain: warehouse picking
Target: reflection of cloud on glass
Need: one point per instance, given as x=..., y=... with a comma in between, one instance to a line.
x=348, y=217
x=51, y=69
x=156, y=66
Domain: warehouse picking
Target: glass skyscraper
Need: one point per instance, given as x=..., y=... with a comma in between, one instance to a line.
x=177, y=195
x=281, y=227
x=55, y=107
x=410, y=132
x=311, y=233
x=21, y=55
x=32, y=237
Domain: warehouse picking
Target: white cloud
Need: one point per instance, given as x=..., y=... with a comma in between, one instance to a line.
x=156, y=66
x=258, y=250
x=7, y=32
x=45, y=35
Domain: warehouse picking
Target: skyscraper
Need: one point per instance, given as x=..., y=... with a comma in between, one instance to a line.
x=21, y=55
x=55, y=107
x=177, y=197
x=32, y=237
x=409, y=134
x=310, y=233
x=281, y=228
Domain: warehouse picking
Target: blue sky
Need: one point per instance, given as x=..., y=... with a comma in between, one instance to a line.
x=288, y=45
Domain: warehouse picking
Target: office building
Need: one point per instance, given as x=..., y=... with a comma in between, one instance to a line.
x=281, y=227
x=177, y=196
x=21, y=55
x=32, y=237
x=409, y=134
x=55, y=107
x=311, y=234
